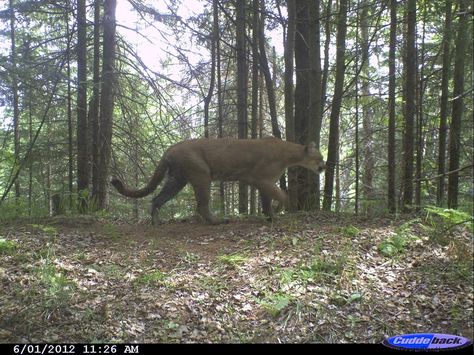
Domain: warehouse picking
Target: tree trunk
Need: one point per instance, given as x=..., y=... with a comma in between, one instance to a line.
x=255, y=79
x=420, y=121
x=95, y=105
x=333, y=148
x=82, y=132
x=444, y=104
x=327, y=42
x=16, y=110
x=269, y=82
x=208, y=97
x=220, y=103
x=392, y=206
x=410, y=91
x=302, y=94
x=457, y=104
x=70, y=137
x=242, y=79
x=106, y=100
x=367, y=113
x=289, y=98
x=315, y=98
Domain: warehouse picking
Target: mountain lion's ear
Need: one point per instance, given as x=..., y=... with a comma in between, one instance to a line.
x=310, y=148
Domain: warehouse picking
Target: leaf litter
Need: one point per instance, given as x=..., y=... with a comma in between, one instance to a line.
x=304, y=278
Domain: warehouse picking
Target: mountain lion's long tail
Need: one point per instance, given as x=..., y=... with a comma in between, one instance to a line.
x=158, y=175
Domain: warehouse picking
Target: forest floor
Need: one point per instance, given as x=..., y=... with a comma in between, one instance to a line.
x=305, y=278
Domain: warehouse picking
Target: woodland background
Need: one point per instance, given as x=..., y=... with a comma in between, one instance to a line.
x=383, y=87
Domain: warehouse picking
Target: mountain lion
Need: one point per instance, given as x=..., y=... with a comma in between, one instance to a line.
x=256, y=162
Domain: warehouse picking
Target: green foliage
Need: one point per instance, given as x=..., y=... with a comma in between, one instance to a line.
x=320, y=268
x=232, y=260
x=153, y=277
x=398, y=243
x=275, y=303
x=7, y=246
x=349, y=231
x=58, y=288
x=445, y=218
x=50, y=230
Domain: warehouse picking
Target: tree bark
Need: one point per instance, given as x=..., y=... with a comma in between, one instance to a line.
x=82, y=125
x=289, y=96
x=242, y=79
x=106, y=100
x=302, y=97
x=95, y=105
x=315, y=98
x=367, y=113
x=443, y=127
x=333, y=148
x=208, y=97
x=70, y=137
x=16, y=109
x=410, y=91
x=457, y=104
x=392, y=205
x=255, y=79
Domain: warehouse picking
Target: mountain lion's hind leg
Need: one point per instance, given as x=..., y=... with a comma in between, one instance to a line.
x=173, y=185
x=267, y=206
x=268, y=192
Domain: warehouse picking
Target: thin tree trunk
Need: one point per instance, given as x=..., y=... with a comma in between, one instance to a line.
x=95, y=105
x=267, y=75
x=107, y=99
x=419, y=126
x=410, y=108
x=457, y=104
x=208, y=98
x=444, y=104
x=367, y=113
x=255, y=78
x=302, y=94
x=82, y=126
x=242, y=79
x=356, y=143
x=327, y=42
x=16, y=110
x=315, y=98
x=269, y=83
x=289, y=98
x=70, y=137
x=336, y=106
x=392, y=205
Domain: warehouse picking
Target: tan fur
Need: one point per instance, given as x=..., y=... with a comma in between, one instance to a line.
x=257, y=162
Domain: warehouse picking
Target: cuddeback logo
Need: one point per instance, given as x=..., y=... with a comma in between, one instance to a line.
x=428, y=341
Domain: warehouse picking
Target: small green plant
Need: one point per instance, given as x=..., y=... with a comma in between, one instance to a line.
x=232, y=260
x=111, y=230
x=49, y=230
x=349, y=231
x=58, y=289
x=320, y=268
x=152, y=277
x=275, y=303
x=7, y=246
x=190, y=258
x=211, y=284
x=397, y=243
